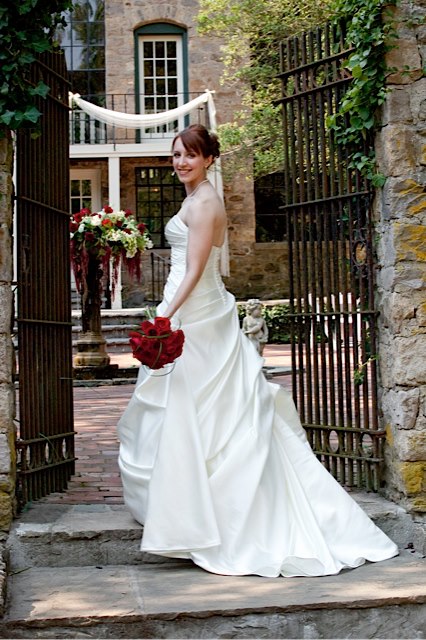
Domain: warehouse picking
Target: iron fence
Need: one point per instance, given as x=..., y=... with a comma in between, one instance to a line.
x=331, y=264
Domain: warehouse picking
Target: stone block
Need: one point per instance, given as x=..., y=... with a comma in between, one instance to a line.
x=396, y=150
x=5, y=454
x=403, y=197
x=409, y=276
x=408, y=360
x=6, y=269
x=413, y=476
x=6, y=358
x=6, y=300
x=417, y=100
x=397, y=108
x=410, y=242
x=396, y=310
x=421, y=314
x=400, y=407
x=411, y=445
x=405, y=59
x=7, y=407
x=6, y=511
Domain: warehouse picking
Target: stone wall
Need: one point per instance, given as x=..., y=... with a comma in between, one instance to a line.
x=7, y=394
x=401, y=279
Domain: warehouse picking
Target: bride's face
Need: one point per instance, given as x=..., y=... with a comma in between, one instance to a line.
x=190, y=166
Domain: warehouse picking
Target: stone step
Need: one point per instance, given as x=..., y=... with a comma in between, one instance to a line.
x=180, y=600
x=77, y=535
x=115, y=316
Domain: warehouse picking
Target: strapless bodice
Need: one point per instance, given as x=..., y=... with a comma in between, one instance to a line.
x=210, y=282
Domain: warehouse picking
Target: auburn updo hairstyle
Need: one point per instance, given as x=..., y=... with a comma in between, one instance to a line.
x=197, y=138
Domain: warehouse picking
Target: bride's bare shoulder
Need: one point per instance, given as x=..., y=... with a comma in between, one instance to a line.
x=208, y=201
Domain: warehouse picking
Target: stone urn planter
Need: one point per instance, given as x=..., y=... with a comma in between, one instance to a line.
x=101, y=243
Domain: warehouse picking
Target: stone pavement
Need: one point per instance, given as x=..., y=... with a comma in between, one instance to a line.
x=97, y=409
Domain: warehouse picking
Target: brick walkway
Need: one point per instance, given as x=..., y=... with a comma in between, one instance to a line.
x=96, y=413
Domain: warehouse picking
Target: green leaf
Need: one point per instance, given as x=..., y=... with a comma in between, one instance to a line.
x=32, y=114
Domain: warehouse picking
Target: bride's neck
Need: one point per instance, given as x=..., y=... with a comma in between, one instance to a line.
x=195, y=189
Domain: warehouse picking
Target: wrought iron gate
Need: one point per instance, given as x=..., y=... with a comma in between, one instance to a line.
x=331, y=265
x=45, y=446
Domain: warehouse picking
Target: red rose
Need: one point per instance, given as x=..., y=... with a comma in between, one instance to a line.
x=106, y=222
x=78, y=217
x=174, y=344
x=162, y=325
x=108, y=209
x=89, y=236
x=119, y=224
x=128, y=213
x=148, y=328
x=141, y=227
x=73, y=227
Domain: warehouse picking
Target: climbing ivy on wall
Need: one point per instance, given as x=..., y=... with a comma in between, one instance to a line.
x=370, y=30
x=26, y=30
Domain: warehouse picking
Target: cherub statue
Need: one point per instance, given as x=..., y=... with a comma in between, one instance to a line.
x=254, y=325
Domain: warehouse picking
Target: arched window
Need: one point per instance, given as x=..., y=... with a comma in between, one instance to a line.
x=161, y=72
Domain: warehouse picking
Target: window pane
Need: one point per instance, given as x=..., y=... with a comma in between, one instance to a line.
x=173, y=103
x=148, y=68
x=160, y=69
x=161, y=87
x=95, y=83
x=95, y=33
x=172, y=86
x=148, y=49
x=171, y=68
x=149, y=105
x=171, y=49
x=149, y=87
x=86, y=187
x=161, y=104
x=75, y=187
x=159, y=50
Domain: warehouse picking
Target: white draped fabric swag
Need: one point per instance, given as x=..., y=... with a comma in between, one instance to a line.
x=140, y=121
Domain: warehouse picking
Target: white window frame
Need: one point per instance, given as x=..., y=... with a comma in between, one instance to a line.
x=94, y=175
x=156, y=132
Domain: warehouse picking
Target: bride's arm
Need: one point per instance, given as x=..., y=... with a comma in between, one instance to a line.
x=201, y=222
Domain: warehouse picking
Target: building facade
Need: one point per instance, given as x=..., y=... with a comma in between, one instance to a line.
x=134, y=56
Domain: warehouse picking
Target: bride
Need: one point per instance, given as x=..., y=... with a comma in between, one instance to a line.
x=213, y=458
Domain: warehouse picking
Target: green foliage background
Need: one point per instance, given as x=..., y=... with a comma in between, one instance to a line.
x=252, y=30
x=26, y=30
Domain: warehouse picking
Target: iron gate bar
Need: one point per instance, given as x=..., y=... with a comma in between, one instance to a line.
x=45, y=444
x=327, y=204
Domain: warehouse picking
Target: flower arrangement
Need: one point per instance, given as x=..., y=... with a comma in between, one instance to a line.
x=155, y=344
x=106, y=236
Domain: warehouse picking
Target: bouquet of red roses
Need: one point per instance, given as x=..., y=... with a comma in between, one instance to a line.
x=155, y=344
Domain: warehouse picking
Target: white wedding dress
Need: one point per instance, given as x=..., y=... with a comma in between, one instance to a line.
x=215, y=463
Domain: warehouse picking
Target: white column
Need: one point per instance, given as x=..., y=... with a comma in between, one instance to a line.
x=114, y=202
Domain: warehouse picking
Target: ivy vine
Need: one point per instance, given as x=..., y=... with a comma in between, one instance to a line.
x=27, y=28
x=370, y=30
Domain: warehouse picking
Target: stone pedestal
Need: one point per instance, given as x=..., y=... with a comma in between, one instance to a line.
x=91, y=350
